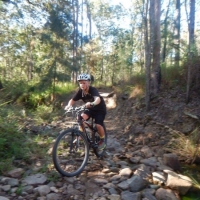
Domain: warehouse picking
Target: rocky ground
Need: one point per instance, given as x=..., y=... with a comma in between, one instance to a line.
x=136, y=165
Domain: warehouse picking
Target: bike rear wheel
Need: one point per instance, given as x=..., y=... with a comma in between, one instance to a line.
x=70, y=152
x=100, y=152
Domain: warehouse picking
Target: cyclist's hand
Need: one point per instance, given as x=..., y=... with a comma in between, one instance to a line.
x=87, y=105
x=67, y=107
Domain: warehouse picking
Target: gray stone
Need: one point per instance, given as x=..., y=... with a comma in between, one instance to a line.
x=115, y=178
x=28, y=189
x=5, y=188
x=158, y=178
x=43, y=190
x=178, y=182
x=70, y=180
x=126, y=172
x=3, y=198
x=53, y=196
x=114, y=197
x=113, y=191
x=135, y=159
x=149, y=196
x=13, y=182
x=109, y=185
x=126, y=195
x=137, y=184
x=172, y=161
x=37, y=179
x=124, y=185
x=16, y=173
x=165, y=194
x=143, y=171
x=150, y=162
x=147, y=151
x=100, y=181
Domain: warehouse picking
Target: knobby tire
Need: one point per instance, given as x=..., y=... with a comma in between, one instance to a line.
x=70, y=152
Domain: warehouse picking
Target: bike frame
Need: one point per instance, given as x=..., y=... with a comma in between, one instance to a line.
x=85, y=124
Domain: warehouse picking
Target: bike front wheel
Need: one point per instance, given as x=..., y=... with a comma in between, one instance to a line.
x=70, y=152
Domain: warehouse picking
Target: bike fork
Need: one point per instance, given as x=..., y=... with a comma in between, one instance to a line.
x=74, y=143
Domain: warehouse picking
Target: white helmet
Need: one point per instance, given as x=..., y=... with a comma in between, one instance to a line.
x=83, y=77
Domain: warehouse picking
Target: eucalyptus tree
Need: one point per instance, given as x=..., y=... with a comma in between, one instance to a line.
x=17, y=35
x=75, y=13
x=107, y=19
x=177, y=23
x=165, y=35
x=100, y=14
x=156, y=44
x=147, y=41
x=88, y=11
x=191, y=45
x=57, y=34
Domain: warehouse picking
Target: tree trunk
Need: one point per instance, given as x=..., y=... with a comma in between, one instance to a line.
x=1, y=85
x=156, y=70
x=147, y=58
x=177, y=32
x=81, y=33
x=191, y=47
x=165, y=33
x=75, y=5
x=89, y=18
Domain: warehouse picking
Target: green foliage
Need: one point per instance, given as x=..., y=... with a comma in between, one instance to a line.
x=12, y=141
x=16, y=142
x=53, y=176
x=64, y=88
x=19, y=190
x=6, y=165
x=43, y=113
x=31, y=94
x=191, y=196
x=14, y=88
x=37, y=98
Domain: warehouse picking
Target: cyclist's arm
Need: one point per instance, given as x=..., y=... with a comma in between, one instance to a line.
x=96, y=101
x=70, y=103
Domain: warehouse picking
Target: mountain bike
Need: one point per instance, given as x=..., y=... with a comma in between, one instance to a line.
x=71, y=149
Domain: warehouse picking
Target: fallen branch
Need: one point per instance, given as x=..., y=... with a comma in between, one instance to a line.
x=191, y=115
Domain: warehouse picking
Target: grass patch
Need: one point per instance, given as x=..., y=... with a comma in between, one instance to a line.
x=186, y=147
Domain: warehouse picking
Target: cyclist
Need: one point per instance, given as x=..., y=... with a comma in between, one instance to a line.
x=93, y=102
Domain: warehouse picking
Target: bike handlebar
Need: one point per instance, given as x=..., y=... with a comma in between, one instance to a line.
x=76, y=109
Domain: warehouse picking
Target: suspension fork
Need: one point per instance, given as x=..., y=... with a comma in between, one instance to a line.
x=72, y=142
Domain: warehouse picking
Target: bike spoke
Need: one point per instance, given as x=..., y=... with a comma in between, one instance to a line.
x=70, y=154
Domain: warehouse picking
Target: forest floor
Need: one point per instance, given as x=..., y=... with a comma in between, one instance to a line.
x=128, y=121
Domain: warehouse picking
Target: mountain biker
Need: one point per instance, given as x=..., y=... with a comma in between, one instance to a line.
x=93, y=102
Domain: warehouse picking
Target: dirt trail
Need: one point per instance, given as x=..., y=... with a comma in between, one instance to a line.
x=129, y=128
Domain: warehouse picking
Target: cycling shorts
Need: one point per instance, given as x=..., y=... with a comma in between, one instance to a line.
x=98, y=116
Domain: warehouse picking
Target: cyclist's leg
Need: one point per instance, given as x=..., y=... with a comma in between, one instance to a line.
x=99, y=118
x=86, y=115
x=83, y=116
